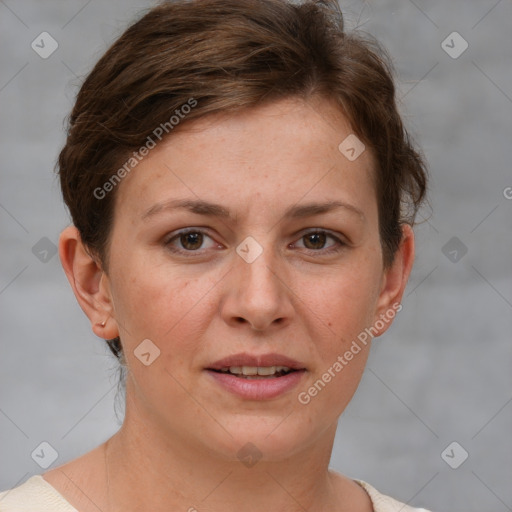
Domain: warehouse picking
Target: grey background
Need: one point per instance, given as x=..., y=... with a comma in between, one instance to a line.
x=442, y=373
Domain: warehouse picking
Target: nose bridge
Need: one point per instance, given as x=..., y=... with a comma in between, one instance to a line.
x=257, y=294
x=260, y=276
x=258, y=269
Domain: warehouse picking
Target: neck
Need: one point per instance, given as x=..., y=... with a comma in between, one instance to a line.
x=149, y=469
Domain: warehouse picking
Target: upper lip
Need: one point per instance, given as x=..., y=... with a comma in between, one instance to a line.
x=244, y=359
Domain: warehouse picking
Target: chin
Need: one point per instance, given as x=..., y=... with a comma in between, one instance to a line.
x=255, y=438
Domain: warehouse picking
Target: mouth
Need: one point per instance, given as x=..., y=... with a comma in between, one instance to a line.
x=255, y=366
x=254, y=377
x=256, y=372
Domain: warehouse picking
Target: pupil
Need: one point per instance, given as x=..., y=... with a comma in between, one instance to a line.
x=317, y=239
x=191, y=240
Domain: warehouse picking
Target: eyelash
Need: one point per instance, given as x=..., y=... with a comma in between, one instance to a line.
x=337, y=248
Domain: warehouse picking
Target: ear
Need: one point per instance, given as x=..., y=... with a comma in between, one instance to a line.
x=394, y=282
x=89, y=282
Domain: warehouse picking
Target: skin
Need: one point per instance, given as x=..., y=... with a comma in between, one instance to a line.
x=177, y=447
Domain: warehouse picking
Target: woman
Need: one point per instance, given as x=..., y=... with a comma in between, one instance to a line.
x=242, y=193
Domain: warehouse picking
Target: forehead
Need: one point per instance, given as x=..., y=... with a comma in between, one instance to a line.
x=272, y=156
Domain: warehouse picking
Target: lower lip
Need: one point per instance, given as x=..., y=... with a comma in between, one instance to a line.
x=258, y=389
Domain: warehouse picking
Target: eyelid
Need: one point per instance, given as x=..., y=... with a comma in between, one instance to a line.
x=339, y=239
x=184, y=231
x=328, y=232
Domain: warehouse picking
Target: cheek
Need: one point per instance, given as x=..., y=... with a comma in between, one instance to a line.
x=339, y=311
x=158, y=302
x=342, y=309
x=172, y=311
x=329, y=391
x=342, y=303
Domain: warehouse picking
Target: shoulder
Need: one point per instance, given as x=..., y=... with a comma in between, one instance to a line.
x=35, y=495
x=382, y=503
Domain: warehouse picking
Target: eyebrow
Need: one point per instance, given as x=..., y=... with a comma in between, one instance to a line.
x=206, y=208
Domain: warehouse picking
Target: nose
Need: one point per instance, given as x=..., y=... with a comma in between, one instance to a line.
x=257, y=294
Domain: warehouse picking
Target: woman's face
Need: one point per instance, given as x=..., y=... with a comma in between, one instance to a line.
x=282, y=261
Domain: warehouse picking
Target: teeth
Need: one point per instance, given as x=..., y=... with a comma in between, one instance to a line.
x=250, y=371
x=266, y=370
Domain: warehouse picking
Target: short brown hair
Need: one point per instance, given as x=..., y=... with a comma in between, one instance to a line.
x=230, y=55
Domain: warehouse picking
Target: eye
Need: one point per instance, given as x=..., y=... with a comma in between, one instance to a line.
x=316, y=239
x=189, y=240
x=192, y=240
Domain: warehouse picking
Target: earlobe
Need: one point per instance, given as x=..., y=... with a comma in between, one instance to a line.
x=395, y=280
x=89, y=283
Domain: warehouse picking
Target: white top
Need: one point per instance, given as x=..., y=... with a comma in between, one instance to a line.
x=37, y=495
